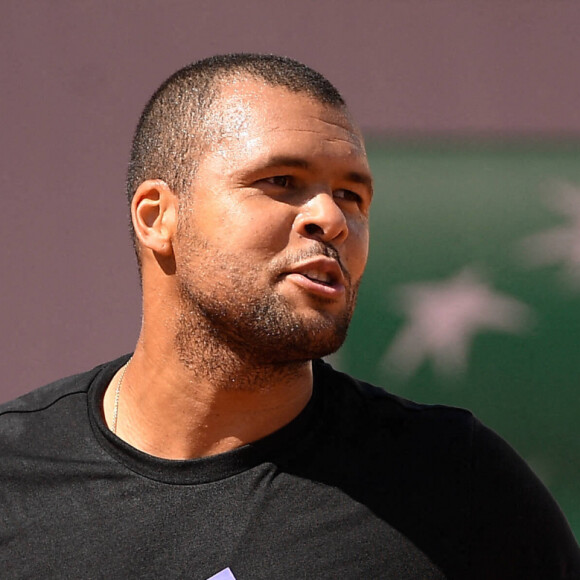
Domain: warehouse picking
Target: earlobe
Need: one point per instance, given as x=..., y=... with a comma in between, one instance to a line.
x=154, y=215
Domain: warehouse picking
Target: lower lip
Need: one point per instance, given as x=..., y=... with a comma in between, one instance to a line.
x=314, y=287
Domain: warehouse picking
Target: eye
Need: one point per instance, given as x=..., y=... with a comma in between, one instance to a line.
x=280, y=180
x=347, y=195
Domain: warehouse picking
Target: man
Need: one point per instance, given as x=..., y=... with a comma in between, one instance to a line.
x=220, y=449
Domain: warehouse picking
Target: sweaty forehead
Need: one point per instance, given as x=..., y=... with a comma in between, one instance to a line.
x=249, y=109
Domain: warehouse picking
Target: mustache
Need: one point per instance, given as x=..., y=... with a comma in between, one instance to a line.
x=316, y=250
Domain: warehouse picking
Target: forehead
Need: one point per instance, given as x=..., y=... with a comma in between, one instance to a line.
x=251, y=117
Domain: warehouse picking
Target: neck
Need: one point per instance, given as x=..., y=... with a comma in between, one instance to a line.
x=211, y=401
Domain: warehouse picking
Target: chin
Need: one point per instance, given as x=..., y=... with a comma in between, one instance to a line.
x=307, y=342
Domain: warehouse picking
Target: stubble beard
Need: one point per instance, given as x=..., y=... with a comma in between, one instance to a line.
x=242, y=326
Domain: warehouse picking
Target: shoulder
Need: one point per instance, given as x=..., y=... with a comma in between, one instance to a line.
x=49, y=394
x=456, y=476
x=394, y=444
x=516, y=524
x=39, y=415
x=375, y=411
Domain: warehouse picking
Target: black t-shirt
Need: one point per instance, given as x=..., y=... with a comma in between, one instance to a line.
x=362, y=484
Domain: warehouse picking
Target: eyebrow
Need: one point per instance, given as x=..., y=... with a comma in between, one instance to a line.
x=298, y=162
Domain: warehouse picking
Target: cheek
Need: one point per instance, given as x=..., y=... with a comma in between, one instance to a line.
x=265, y=228
x=359, y=245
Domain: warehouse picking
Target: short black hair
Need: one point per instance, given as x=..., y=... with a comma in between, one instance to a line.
x=170, y=134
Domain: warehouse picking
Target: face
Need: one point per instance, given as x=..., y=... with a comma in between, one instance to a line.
x=273, y=237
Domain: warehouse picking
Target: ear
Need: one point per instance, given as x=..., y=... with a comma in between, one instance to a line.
x=154, y=215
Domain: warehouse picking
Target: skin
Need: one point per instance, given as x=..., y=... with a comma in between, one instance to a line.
x=247, y=277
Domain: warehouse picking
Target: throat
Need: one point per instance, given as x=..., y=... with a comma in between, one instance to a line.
x=172, y=412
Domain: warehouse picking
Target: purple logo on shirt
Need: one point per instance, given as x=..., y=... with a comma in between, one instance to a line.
x=225, y=574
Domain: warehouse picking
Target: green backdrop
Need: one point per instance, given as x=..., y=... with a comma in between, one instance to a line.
x=499, y=225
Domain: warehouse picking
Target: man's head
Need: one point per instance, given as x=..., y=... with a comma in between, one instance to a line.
x=176, y=125
x=254, y=214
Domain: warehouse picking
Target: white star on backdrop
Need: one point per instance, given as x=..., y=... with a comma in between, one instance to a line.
x=443, y=319
x=560, y=244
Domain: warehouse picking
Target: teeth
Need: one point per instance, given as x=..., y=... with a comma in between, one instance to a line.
x=317, y=276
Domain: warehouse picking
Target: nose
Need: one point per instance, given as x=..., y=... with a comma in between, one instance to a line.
x=321, y=218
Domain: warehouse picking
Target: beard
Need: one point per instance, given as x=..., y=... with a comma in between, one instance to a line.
x=255, y=324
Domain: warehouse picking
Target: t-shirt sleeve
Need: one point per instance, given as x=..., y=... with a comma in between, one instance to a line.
x=517, y=529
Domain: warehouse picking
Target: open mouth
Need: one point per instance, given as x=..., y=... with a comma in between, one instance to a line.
x=319, y=277
x=322, y=277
